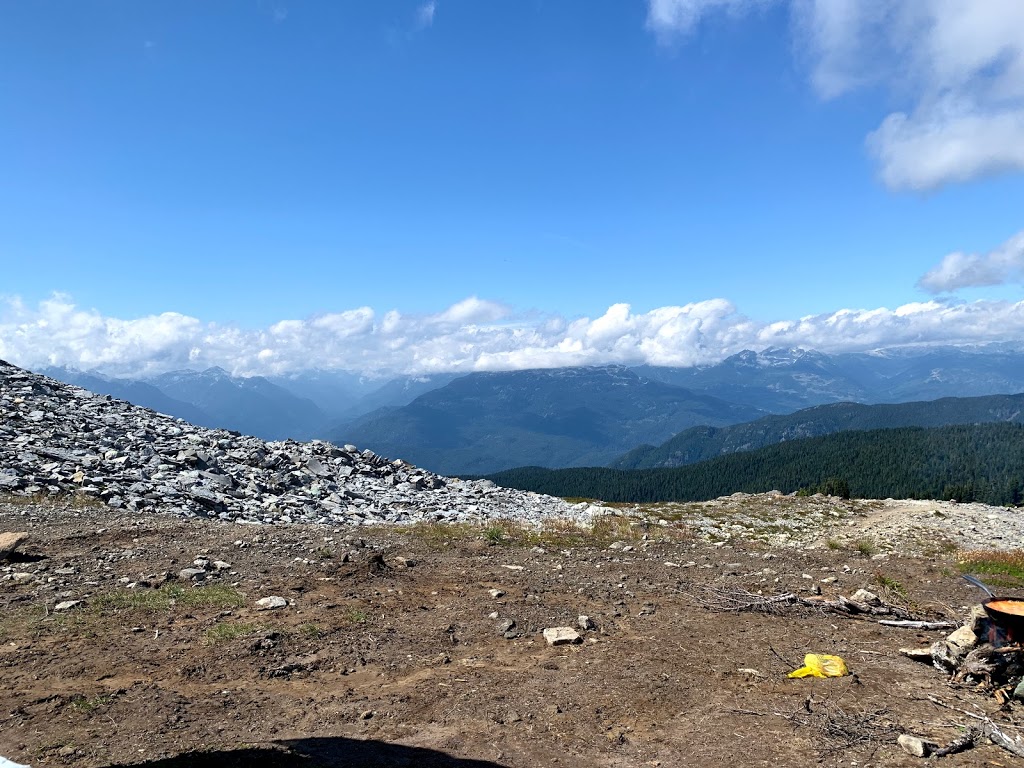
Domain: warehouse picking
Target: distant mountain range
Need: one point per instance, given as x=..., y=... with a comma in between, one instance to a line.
x=481, y=422
x=212, y=398
x=137, y=392
x=556, y=417
x=701, y=443
x=786, y=380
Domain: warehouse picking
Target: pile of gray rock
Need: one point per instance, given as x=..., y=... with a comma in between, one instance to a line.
x=59, y=439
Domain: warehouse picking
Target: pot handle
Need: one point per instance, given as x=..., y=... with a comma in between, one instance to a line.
x=978, y=583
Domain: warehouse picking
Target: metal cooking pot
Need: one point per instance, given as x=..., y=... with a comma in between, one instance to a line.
x=1006, y=612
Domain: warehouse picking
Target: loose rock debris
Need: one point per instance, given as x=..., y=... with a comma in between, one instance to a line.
x=59, y=439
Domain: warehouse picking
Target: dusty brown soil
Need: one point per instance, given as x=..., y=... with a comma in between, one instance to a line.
x=395, y=665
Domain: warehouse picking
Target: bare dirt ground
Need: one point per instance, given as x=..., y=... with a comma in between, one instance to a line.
x=409, y=664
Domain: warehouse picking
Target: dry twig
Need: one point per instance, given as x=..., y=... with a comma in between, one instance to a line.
x=738, y=600
x=1014, y=745
x=840, y=731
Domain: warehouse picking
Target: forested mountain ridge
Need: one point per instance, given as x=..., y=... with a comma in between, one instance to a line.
x=983, y=462
x=484, y=422
x=701, y=443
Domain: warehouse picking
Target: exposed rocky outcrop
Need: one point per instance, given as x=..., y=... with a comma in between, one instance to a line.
x=56, y=438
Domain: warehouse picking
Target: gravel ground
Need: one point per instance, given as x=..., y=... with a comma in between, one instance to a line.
x=394, y=646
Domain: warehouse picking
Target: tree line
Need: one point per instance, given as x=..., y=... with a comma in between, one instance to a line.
x=980, y=462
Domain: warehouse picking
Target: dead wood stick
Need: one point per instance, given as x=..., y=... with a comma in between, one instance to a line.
x=1014, y=745
x=940, y=703
x=905, y=624
x=960, y=744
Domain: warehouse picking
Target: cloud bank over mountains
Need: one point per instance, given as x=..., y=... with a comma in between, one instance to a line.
x=957, y=66
x=472, y=335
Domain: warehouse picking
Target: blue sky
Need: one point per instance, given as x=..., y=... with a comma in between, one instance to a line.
x=178, y=178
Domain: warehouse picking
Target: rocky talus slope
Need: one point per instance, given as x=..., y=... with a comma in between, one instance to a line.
x=57, y=438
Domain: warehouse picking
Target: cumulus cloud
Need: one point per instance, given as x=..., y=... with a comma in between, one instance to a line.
x=959, y=270
x=957, y=65
x=472, y=335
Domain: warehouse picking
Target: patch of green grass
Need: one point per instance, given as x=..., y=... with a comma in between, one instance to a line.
x=324, y=553
x=168, y=596
x=554, y=534
x=310, y=630
x=441, y=535
x=865, y=547
x=356, y=616
x=1001, y=568
x=833, y=544
x=91, y=704
x=495, y=534
x=226, y=631
x=890, y=585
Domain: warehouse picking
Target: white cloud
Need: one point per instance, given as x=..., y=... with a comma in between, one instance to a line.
x=959, y=270
x=957, y=66
x=674, y=17
x=472, y=335
x=425, y=13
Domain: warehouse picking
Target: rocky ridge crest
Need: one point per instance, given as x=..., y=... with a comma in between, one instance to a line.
x=56, y=438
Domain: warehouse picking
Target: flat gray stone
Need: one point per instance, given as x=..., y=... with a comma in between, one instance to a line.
x=271, y=603
x=561, y=636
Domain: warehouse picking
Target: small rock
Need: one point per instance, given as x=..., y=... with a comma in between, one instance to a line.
x=1018, y=692
x=912, y=745
x=67, y=605
x=495, y=593
x=404, y=562
x=366, y=715
x=918, y=654
x=192, y=574
x=978, y=621
x=221, y=565
x=9, y=542
x=561, y=636
x=506, y=625
x=586, y=623
x=962, y=640
x=270, y=603
x=866, y=597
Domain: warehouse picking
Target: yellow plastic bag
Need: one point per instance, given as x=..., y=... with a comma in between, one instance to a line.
x=820, y=665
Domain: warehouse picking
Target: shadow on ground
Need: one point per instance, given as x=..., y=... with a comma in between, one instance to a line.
x=316, y=753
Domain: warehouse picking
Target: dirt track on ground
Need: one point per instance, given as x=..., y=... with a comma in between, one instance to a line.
x=408, y=664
